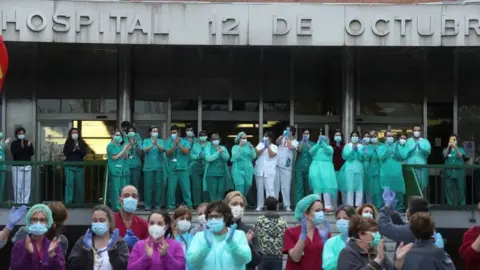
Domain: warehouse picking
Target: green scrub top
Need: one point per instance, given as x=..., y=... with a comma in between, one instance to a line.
x=134, y=160
x=3, y=148
x=153, y=158
x=453, y=159
x=115, y=167
x=178, y=161
x=197, y=157
x=304, y=158
x=216, y=164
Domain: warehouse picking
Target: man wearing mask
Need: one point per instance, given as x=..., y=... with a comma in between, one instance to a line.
x=125, y=125
x=418, y=151
x=287, y=145
x=22, y=150
x=131, y=227
x=470, y=248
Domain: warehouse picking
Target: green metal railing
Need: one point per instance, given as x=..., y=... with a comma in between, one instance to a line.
x=77, y=184
x=449, y=186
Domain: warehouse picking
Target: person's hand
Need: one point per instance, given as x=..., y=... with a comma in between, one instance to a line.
x=250, y=235
x=87, y=239
x=28, y=244
x=207, y=234
x=148, y=248
x=402, y=251
x=439, y=240
x=29, y=143
x=476, y=244
x=7, y=140
x=114, y=238
x=130, y=238
x=177, y=140
x=355, y=147
x=251, y=146
x=231, y=232
x=380, y=252
x=220, y=150
x=303, y=234
x=15, y=216
x=163, y=249
x=389, y=198
x=52, y=248
x=323, y=235
x=265, y=142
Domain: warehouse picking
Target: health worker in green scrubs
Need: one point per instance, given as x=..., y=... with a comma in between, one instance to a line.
x=153, y=171
x=197, y=167
x=118, y=171
x=134, y=156
x=302, y=166
x=243, y=153
x=217, y=177
x=74, y=150
x=454, y=155
x=178, y=154
x=125, y=125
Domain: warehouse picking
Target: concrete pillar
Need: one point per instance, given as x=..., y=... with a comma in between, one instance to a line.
x=124, y=91
x=455, y=91
x=348, y=92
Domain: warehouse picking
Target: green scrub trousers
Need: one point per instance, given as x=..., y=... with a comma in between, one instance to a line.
x=197, y=179
x=74, y=180
x=154, y=189
x=455, y=178
x=135, y=174
x=175, y=178
x=115, y=184
x=215, y=187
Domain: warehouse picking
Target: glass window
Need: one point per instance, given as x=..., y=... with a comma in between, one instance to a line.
x=208, y=105
x=146, y=107
x=97, y=135
x=184, y=105
x=72, y=106
x=246, y=79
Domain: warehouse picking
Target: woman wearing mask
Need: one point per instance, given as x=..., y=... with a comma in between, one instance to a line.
x=454, y=155
x=322, y=173
x=202, y=221
x=372, y=181
x=302, y=167
x=22, y=151
x=338, y=145
x=134, y=156
x=265, y=169
x=391, y=155
x=221, y=246
x=181, y=226
x=304, y=243
x=243, y=154
x=237, y=203
x=197, y=167
x=217, y=175
x=153, y=171
x=158, y=251
x=354, y=171
x=334, y=245
x=36, y=251
x=74, y=151
x=101, y=247
x=119, y=173
x=367, y=210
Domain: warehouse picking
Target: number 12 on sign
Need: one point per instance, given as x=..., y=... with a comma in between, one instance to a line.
x=229, y=26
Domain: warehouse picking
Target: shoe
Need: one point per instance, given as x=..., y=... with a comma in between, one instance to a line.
x=328, y=210
x=258, y=210
x=288, y=209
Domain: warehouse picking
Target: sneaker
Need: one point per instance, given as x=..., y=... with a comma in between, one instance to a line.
x=258, y=209
x=328, y=209
x=288, y=209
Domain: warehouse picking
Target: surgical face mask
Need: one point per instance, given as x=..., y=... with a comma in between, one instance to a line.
x=155, y=134
x=156, y=231
x=38, y=229
x=202, y=220
x=184, y=225
x=342, y=226
x=174, y=136
x=366, y=140
x=237, y=212
x=416, y=134
x=367, y=215
x=306, y=136
x=244, y=140
x=216, y=225
x=376, y=239
x=354, y=139
x=389, y=140
x=118, y=139
x=130, y=204
x=216, y=142
x=203, y=138
x=1, y=135
x=190, y=133
x=402, y=141
x=21, y=136
x=75, y=136
x=99, y=228
x=131, y=134
x=319, y=218
x=338, y=138
x=374, y=140
x=265, y=138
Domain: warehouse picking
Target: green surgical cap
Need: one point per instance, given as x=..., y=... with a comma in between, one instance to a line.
x=239, y=135
x=39, y=208
x=304, y=204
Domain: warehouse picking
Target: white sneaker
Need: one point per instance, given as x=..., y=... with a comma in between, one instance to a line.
x=288, y=209
x=258, y=210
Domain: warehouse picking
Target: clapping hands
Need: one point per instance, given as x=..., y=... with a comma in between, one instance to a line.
x=389, y=198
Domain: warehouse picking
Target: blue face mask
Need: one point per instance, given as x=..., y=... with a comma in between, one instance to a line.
x=244, y=140
x=366, y=140
x=376, y=239
x=155, y=134
x=389, y=140
x=130, y=204
x=374, y=140
x=216, y=142
x=342, y=226
x=354, y=139
x=174, y=136
x=319, y=218
x=216, y=225
x=131, y=134
x=367, y=215
x=37, y=229
x=99, y=228
x=21, y=136
x=265, y=138
x=338, y=138
x=203, y=138
x=118, y=139
x=190, y=133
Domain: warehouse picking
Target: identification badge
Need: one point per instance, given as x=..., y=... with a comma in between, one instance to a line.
x=174, y=160
x=130, y=157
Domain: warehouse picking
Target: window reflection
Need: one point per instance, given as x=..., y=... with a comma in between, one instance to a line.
x=184, y=105
x=391, y=109
x=143, y=106
x=276, y=106
x=97, y=135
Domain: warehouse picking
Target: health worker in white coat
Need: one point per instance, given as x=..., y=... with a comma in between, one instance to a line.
x=265, y=169
x=287, y=146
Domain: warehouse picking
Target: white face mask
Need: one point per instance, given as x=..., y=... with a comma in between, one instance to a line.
x=416, y=134
x=156, y=231
x=237, y=212
x=184, y=225
x=202, y=220
x=75, y=136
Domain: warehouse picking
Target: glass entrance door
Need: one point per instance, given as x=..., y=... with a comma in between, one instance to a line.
x=51, y=139
x=317, y=129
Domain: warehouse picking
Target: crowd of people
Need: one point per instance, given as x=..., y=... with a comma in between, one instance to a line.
x=220, y=240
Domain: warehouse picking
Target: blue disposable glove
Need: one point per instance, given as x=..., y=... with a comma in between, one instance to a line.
x=265, y=142
x=323, y=235
x=438, y=240
x=231, y=232
x=355, y=147
x=15, y=216
x=130, y=238
x=303, y=234
x=87, y=239
x=389, y=198
x=207, y=234
x=113, y=239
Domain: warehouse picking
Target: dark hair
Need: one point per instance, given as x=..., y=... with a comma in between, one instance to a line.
x=125, y=124
x=202, y=133
x=307, y=129
x=386, y=131
x=133, y=128
x=349, y=210
x=420, y=126
x=18, y=129
x=151, y=128
x=174, y=127
x=310, y=206
x=271, y=203
x=222, y=208
x=188, y=126
x=109, y=213
x=354, y=132
x=167, y=219
x=417, y=204
x=422, y=226
x=366, y=133
x=70, y=143
x=293, y=130
x=374, y=209
x=269, y=134
x=360, y=224
x=59, y=215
